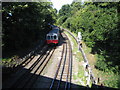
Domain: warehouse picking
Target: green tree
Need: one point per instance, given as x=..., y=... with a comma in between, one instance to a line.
x=24, y=23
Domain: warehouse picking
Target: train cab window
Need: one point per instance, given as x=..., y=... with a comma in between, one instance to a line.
x=55, y=37
x=48, y=37
x=51, y=37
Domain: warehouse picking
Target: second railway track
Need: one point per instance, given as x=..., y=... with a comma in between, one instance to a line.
x=24, y=73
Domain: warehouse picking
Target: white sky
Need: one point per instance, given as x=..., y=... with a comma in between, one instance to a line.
x=58, y=3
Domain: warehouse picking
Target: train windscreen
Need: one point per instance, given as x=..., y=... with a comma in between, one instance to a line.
x=48, y=37
x=52, y=38
x=55, y=37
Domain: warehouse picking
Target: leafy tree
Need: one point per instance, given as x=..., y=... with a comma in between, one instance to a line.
x=65, y=10
x=99, y=25
x=24, y=23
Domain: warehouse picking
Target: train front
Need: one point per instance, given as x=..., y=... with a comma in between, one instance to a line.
x=52, y=38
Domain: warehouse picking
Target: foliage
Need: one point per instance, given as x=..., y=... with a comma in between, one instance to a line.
x=100, y=27
x=65, y=10
x=24, y=23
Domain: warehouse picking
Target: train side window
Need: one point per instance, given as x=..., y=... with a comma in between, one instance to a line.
x=55, y=37
x=48, y=38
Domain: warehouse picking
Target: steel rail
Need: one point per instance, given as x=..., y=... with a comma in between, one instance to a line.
x=30, y=69
x=69, y=65
x=28, y=60
x=39, y=71
x=84, y=56
x=53, y=81
x=69, y=86
x=36, y=68
x=19, y=73
x=62, y=68
x=29, y=56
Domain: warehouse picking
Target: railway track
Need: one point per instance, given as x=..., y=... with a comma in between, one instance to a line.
x=62, y=78
x=92, y=78
x=30, y=70
x=28, y=59
x=25, y=74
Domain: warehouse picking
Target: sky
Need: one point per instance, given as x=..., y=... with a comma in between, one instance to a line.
x=58, y=3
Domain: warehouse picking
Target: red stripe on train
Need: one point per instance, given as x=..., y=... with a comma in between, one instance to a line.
x=52, y=41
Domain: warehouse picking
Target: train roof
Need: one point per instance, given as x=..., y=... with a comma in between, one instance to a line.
x=56, y=30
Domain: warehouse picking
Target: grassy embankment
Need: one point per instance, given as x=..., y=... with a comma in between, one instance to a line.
x=108, y=79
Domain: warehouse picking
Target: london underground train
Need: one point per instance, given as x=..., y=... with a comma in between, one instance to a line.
x=53, y=36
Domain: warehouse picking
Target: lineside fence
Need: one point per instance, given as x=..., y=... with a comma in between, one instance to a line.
x=87, y=66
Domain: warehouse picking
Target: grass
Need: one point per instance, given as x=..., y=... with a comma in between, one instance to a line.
x=6, y=59
x=79, y=57
x=108, y=79
x=8, y=62
x=75, y=77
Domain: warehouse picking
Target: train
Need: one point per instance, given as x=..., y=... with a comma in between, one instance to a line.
x=53, y=36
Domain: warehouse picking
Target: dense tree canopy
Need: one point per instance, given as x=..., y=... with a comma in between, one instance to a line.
x=100, y=27
x=24, y=23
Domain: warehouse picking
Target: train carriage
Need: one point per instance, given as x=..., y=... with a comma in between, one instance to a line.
x=53, y=36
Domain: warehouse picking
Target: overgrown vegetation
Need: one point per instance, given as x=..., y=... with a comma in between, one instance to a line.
x=100, y=27
x=24, y=24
